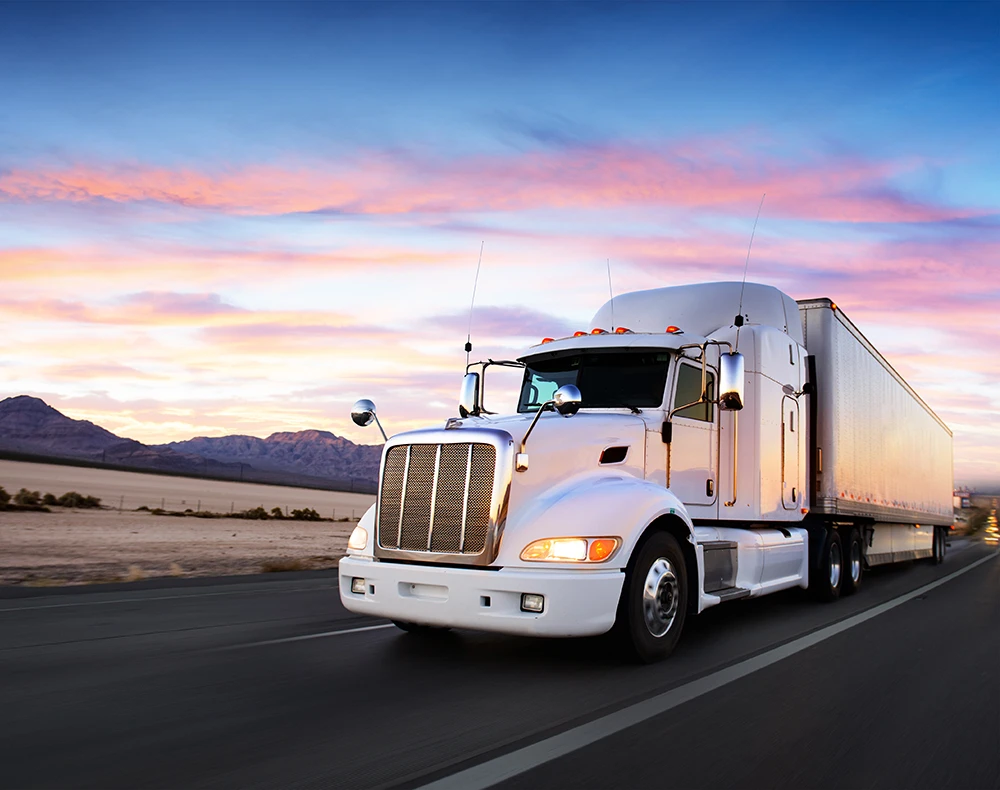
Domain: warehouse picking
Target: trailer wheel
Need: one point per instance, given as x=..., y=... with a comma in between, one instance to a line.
x=940, y=545
x=853, y=568
x=829, y=573
x=653, y=605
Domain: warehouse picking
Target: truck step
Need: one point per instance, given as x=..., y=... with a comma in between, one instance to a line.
x=732, y=593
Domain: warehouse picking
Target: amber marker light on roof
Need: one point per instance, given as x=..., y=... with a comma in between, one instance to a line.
x=623, y=331
x=596, y=331
x=579, y=334
x=546, y=340
x=674, y=330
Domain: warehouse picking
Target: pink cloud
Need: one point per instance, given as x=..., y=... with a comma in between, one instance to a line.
x=834, y=188
x=499, y=322
x=97, y=370
x=192, y=264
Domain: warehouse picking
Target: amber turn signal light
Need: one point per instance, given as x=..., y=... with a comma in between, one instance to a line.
x=602, y=548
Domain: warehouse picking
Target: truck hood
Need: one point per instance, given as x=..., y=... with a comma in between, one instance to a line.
x=563, y=450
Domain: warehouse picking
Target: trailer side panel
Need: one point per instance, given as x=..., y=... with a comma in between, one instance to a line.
x=881, y=453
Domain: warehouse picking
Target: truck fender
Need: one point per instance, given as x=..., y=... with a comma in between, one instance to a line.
x=627, y=508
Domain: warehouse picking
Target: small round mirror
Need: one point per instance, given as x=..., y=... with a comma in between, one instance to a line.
x=567, y=400
x=363, y=412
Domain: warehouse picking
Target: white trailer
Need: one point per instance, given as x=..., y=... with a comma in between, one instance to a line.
x=709, y=458
x=882, y=458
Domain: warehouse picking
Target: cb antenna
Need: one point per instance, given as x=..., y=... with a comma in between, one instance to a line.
x=612, y=292
x=739, y=315
x=475, y=284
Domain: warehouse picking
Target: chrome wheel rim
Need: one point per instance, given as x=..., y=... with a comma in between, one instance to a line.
x=855, y=561
x=835, y=563
x=660, y=597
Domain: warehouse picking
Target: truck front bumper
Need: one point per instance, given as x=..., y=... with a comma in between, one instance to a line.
x=577, y=602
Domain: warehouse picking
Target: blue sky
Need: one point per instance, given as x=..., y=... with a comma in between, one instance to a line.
x=239, y=217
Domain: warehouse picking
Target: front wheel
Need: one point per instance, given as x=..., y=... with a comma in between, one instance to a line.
x=653, y=605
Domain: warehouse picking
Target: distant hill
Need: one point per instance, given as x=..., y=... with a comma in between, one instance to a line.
x=31, y=425
x=314, y=458
x=316, y=453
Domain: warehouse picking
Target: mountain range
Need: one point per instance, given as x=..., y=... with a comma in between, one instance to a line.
x=29, y=425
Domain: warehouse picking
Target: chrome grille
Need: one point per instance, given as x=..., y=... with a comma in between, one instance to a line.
x=437, y=497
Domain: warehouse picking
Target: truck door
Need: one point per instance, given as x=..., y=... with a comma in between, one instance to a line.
x=790, y=495
x=692, y=462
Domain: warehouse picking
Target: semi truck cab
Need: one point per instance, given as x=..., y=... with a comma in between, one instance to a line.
x=658, y=463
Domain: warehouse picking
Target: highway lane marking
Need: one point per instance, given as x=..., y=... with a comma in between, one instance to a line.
x=519, y=761
x=142, y=598
x=321, y=635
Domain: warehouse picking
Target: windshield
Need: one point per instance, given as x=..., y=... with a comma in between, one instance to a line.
x=618, y=379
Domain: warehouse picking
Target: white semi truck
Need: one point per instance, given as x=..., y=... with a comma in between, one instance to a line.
x=664, y=460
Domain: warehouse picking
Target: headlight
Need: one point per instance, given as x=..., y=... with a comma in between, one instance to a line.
x=359, y=539
x=570, y=550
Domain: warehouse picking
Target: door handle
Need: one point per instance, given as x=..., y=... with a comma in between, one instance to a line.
x=710, y=487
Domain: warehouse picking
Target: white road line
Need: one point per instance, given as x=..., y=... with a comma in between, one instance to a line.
x=499, y=769
x=142, y=598
x=314, y=636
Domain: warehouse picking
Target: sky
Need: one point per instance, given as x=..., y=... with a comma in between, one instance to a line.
x=240, y=218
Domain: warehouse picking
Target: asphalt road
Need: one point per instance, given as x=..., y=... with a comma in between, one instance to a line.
x=270, y=683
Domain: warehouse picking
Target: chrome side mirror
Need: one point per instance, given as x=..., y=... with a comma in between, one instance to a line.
x=567, y=400
x=363, y=414
x=731, y=371
x=468, y=398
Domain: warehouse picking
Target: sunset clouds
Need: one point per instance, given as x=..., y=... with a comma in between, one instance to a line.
x=833, y=188
x=203, y=235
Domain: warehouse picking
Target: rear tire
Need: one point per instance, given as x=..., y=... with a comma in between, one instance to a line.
x=654, y=600
x=853, y=563
x=829, y=572
x=940, y=545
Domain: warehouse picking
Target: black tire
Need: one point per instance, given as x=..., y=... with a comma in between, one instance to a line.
x=853, y=563
x=649, y=623
x=940, y=545
x=828, y=574
x=417, y=628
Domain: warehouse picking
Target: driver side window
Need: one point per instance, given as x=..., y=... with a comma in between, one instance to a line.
x=689, y=390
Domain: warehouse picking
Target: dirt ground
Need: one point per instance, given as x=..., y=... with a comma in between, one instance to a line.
x=85, y=546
